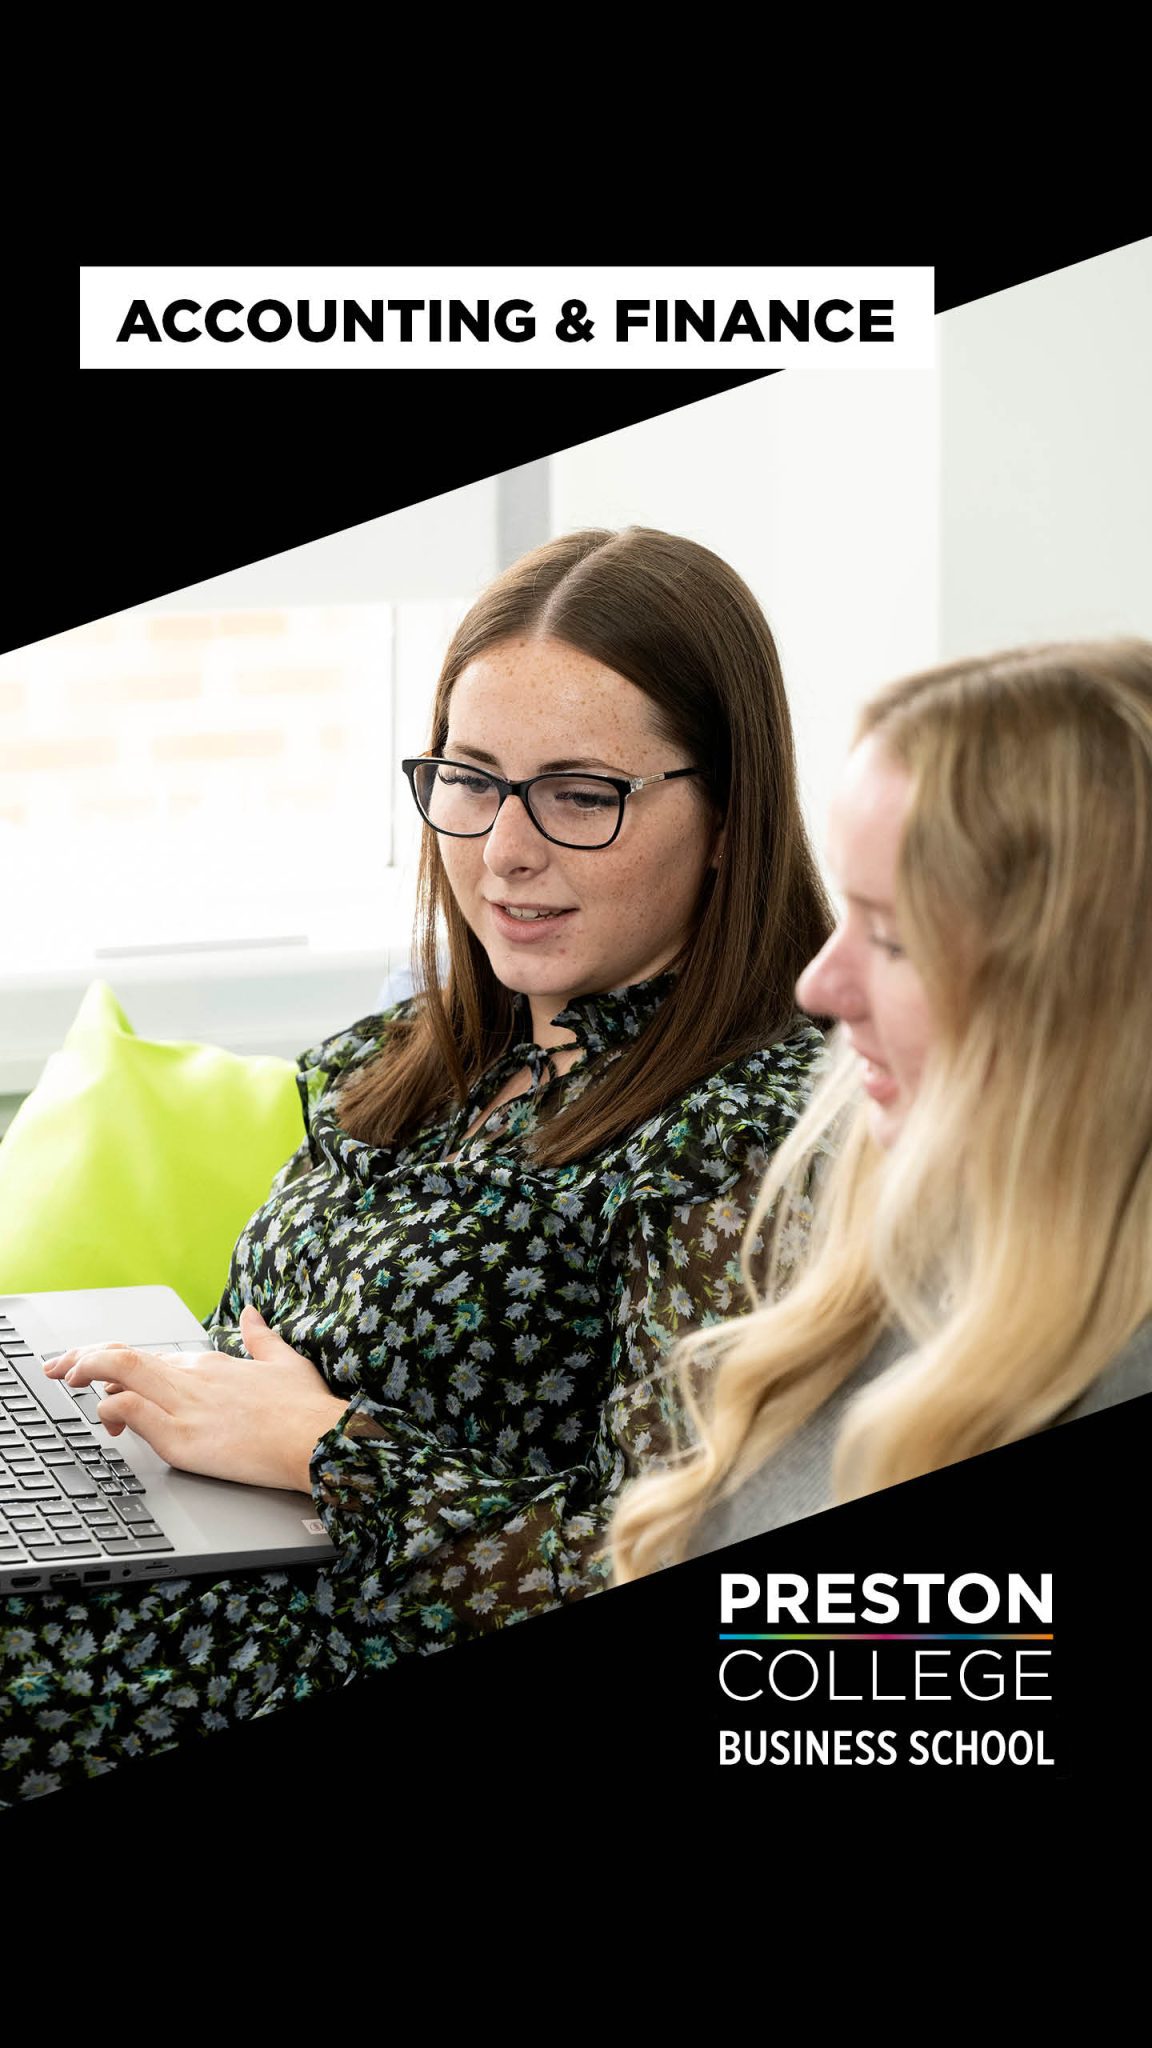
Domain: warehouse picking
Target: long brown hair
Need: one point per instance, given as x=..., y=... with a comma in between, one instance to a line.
x=676, y=621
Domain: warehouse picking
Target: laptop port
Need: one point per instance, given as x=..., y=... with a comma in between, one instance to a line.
x=63, y=1578
x=25, y=1579
x=96, y=1578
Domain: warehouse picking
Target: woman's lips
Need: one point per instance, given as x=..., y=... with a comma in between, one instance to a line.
x=529, y=931
x=877, y=1081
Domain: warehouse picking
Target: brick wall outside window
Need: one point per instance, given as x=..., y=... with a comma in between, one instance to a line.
x=181, y=777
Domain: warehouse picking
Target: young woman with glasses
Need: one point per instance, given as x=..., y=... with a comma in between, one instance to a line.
x=980, y=1263
x=447, y=1323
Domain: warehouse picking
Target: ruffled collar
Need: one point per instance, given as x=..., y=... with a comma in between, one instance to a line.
x=611, y=1017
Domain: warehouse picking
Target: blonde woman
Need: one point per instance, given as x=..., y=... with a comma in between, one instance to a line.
x=979, y=1265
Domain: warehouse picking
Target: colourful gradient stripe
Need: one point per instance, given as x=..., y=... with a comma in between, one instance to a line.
x=863, y=1636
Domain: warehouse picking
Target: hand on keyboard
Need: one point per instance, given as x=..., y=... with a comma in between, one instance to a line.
x=257, y=1419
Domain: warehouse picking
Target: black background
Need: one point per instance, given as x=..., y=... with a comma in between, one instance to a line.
x=142, y=485
x=593, y=1722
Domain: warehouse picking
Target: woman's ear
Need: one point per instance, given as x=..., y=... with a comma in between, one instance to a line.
x=718, y=848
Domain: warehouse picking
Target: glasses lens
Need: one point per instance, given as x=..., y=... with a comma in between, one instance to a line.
x=578, y=810
x=455, y=798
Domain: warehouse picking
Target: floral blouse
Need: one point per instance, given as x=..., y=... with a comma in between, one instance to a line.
x=500, y=1330
x=500, y=1326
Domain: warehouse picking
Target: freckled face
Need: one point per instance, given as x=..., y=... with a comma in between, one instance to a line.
x=522, y=708
x=863, y=976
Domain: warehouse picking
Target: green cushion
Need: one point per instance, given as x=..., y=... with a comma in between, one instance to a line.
x=135, y=1162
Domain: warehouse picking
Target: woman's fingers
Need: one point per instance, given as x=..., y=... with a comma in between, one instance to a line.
x=129, y=1410
x=140, y=1372
x=58, y=1366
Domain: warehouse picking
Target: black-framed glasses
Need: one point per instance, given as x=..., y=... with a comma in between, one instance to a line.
x=464, y=801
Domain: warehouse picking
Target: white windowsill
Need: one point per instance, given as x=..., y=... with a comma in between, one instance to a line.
x=265, y=999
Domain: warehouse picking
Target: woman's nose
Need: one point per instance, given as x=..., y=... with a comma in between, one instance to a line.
x=832, y=984
x=514, y=841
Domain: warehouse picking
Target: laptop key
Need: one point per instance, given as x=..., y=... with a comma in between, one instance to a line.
x=74, y=1480
x=51, y=1396
x=131, y=1484
x=133, y=1511
x=85, y=1398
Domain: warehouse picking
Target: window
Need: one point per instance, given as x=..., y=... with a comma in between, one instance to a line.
x=205, y=808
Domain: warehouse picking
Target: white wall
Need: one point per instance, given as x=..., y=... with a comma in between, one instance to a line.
x=822, y=491
x=886, y=521
x=1046, y=520
x=438, y=549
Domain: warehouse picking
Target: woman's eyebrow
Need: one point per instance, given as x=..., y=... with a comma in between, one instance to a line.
x=546, y=767
x=868, y=903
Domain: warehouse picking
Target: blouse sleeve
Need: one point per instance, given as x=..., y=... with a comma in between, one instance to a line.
x=319, y=1070
x=445, y=1546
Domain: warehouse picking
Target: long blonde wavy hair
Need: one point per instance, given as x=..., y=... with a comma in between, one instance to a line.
x=1008, y=1231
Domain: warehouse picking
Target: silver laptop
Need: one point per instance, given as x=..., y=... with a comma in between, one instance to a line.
x=80, y=1507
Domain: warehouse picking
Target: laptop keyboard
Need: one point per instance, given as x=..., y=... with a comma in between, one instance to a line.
x=63, y=1495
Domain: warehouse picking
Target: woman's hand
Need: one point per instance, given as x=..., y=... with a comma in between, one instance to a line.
x=256, y=1419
